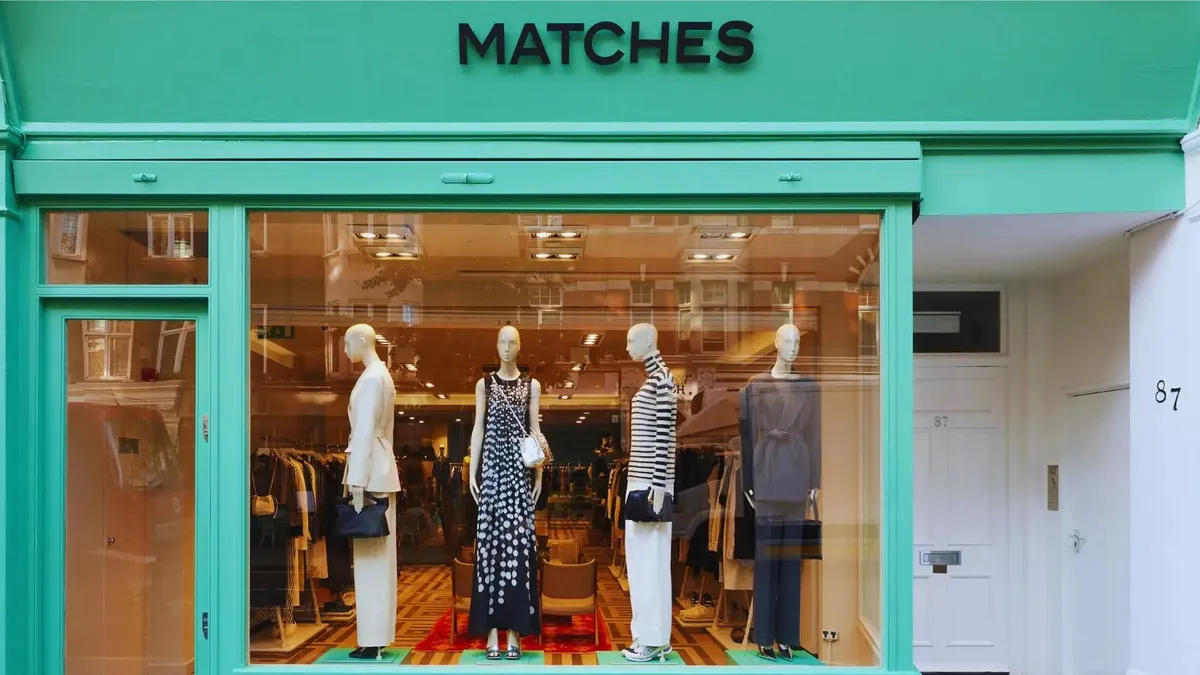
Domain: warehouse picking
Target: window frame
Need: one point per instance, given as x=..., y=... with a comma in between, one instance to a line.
x=231, y=323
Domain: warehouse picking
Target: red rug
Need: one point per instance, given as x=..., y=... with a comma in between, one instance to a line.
x=564, y=635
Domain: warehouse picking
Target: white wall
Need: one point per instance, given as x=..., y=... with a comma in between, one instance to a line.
x=1067, y=335
x=1165, y=443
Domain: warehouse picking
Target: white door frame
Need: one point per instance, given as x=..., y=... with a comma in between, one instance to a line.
x=1017, y=492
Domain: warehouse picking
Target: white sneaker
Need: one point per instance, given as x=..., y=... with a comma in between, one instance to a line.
x=641, y=653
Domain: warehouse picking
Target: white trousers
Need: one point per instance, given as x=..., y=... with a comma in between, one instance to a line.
x=648, y=564
x=375, y=583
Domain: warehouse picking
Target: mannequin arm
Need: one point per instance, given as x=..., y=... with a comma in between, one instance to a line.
x=477, y=436
x=535, y=428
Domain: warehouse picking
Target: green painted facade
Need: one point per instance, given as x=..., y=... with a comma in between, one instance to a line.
x=966, y=108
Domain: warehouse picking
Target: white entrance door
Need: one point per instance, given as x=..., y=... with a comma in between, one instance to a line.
x=1095, y=514
x=960, y=621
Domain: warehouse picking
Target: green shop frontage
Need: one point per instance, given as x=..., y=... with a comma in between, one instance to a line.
x=676, y=239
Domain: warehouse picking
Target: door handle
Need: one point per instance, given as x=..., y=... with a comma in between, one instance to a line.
x=1077, y=540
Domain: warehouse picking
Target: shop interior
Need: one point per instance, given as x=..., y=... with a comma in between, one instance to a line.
x=437, y=288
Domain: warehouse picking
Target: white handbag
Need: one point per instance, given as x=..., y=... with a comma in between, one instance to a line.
x=535, y=451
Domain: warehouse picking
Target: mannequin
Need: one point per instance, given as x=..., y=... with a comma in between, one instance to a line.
x=370, y=467
x=780, y=432
x=504, y=593
x=652, y=466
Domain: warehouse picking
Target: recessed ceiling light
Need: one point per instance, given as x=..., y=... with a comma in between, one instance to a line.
x=457, y=419
x=569, y=384
x=400, y=413
x=442, y=396
x=410, y=367
x=563, y=397
x=711, y=235
x=543, y=235
x=578, y=421
x=568, y=235
x=429, y=384
x=393, y=235
x=406, y=254
x=565, y=256
x=738, y=235
x=411, y=419
x=723, y=256
x=367, y=235
x=383, y=254
x=700, y=256
x=577, y=367
x=542, y=256
x=421, y=422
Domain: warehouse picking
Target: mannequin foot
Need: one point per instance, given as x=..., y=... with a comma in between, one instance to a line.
x=785, y=652
x=767, y=652
x=514, y=647
x=493, y=646
x=367, y=653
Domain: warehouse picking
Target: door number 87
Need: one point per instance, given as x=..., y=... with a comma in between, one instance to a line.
x=1160, y=394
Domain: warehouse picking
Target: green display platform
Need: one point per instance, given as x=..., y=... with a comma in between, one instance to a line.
x=616, y=659
x=750, y=657
x=391, y=656
x=478, y=657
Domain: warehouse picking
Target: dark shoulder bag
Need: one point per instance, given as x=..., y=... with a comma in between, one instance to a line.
x=369, y=523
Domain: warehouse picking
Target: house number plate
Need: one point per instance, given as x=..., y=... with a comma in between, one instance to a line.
x=941, y=557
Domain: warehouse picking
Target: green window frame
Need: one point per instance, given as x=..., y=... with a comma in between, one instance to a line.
x=888, y=187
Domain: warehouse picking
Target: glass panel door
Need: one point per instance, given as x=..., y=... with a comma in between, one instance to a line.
x=133, y=437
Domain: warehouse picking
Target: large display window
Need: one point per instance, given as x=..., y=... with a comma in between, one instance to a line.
x=707, y=385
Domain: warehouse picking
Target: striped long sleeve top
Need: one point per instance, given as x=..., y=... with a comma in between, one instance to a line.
x=652, y=433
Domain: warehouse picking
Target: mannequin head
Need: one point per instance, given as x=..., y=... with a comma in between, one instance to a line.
x=508, y=344
x=360, y=343
x=641, y=341
x=787, y=343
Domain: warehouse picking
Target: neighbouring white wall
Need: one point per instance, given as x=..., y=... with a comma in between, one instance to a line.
x=1165, y=443
x=1073, y=337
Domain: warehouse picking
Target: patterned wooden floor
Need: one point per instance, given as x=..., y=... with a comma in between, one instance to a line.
x=424, y=596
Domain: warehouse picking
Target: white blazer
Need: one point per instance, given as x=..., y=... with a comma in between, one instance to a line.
x=371, y=464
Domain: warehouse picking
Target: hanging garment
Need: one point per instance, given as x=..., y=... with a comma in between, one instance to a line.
x=505, y=594
x=375, y=584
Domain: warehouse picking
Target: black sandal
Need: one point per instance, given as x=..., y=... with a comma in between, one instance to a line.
x=513, y=653
x=493, y=654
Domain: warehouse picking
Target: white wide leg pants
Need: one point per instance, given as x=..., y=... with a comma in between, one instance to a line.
x=648, y=565
x=375, y=583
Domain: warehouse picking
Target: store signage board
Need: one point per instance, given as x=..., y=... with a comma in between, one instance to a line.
x=607, y=43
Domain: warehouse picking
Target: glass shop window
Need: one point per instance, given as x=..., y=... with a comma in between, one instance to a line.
x=127, y=247
x=400, y=360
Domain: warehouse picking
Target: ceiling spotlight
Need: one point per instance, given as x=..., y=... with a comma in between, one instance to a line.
x=700, y=256
x=400, y=413
x=565, y=256
x=711, y=235
x=442, y=396
x=367, y=235
x=393, y=235
x=577, y=367
x=542, y=256
x=421, y=422
x=723, y=256
x=457, y=419
x=383, y=254
x=429, y=385
x=543, y=235
x=406, y=254
x=568, y=235
x=563, y=397
x=738, y=235
x=578, y=421
x=411, y=419
x=410, y=367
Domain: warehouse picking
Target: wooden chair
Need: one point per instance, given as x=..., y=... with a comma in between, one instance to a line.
x=570, y=590
x=460, y=594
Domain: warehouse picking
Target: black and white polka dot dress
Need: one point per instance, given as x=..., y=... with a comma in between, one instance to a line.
x=505, y=595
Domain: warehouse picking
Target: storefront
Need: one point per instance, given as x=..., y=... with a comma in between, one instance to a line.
x=542, y=210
